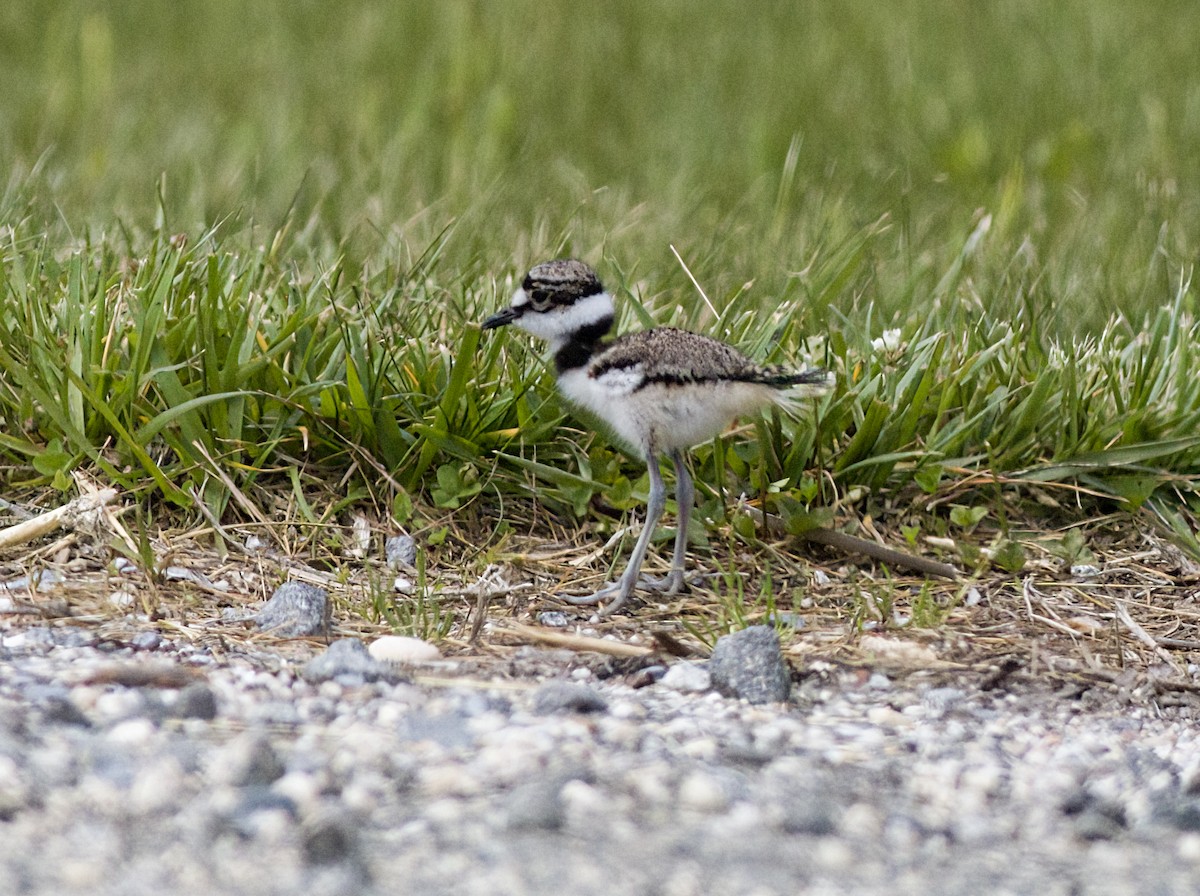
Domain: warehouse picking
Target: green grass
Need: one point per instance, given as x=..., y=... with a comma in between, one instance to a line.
x=242, y=247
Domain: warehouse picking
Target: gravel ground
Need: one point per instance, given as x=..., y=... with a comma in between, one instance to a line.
x=154, y=766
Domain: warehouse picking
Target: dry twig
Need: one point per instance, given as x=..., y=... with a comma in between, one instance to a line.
x=69, y=514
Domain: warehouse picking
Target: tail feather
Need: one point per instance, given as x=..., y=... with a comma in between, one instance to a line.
x=815, y=379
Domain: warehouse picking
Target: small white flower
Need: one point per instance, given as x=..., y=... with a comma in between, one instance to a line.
x=888, y=342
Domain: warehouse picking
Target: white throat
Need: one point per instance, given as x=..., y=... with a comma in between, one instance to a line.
x=560, y=323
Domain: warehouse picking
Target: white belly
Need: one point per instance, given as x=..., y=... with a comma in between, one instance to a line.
x=664, y=417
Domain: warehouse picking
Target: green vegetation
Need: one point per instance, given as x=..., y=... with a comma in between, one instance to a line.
x=242, y=248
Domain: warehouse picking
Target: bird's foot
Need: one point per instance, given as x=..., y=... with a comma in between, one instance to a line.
x=671, y=584
x=618, y=592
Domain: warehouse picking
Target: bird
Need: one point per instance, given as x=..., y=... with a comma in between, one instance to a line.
x=660, y=391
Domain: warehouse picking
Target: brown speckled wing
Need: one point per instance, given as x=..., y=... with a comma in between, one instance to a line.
x=668, y=355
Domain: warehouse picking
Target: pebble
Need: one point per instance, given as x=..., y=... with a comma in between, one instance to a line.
x=703, y=792
x=122, y=600
x=553, y=619
x=813, y=815
x=567, y=697
x=348, y=661
x=330, y=838
x=124, y=566
x=249, y=760
x=402, y=649
x=1189, y=848
x=196, y=701
x=14, y=791
x=295, y=610
x=687, y=677
x=401, y=551
x=787, y=619
x=749, y=665
x=536, y=805
x=147, y=640
x=343, y=784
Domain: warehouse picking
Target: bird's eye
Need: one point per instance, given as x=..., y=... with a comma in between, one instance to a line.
x=540, y=299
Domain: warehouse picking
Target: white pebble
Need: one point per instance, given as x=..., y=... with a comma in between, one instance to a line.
x=448, y=780
x=400, y=649
x=132, y=732
x=13, y=790
x=703, y=793
x=124, y=566
x=1189, y=848
x=833, y=854
x=302, y=788
x=121, y=600
x=157, y=786
x=688, y=678
x=649, y=784
x=112, y=706
x=584, y=802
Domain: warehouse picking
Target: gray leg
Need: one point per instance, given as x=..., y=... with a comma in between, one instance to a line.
x=624, y=586
x=685, y=498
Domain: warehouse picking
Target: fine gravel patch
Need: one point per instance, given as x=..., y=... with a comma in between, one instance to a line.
x=325, y=773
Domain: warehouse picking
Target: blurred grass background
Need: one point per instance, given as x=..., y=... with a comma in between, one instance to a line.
x=357, y=181
x=750, y=138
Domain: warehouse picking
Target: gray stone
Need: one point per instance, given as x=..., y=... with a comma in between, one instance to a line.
x=814, y=815
x=348, y=661
x=63, y=712
x=401, y=551
x=563, y=696
x=255, y=805
x=328, y=839
x=253, y=762
x=331, y=848
x=1181, y=814
x=146, y=641
x=536, y=805
x=788, y=619
x=749, y=665
x=295, y=610
x=196, y=701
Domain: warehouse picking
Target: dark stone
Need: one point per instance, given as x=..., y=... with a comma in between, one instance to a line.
x=1183, y=815
x=815, y=817
x=62, y=711
x=329, y=839
x=647, y=675
x=563, y=696
x=749, y=665
x=295, y=610
x=196, y=701
x=1094, y=824
x=1093, y=818
x=258, y=766
x=55, y=703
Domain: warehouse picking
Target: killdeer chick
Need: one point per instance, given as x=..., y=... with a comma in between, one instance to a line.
x=661, y=391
